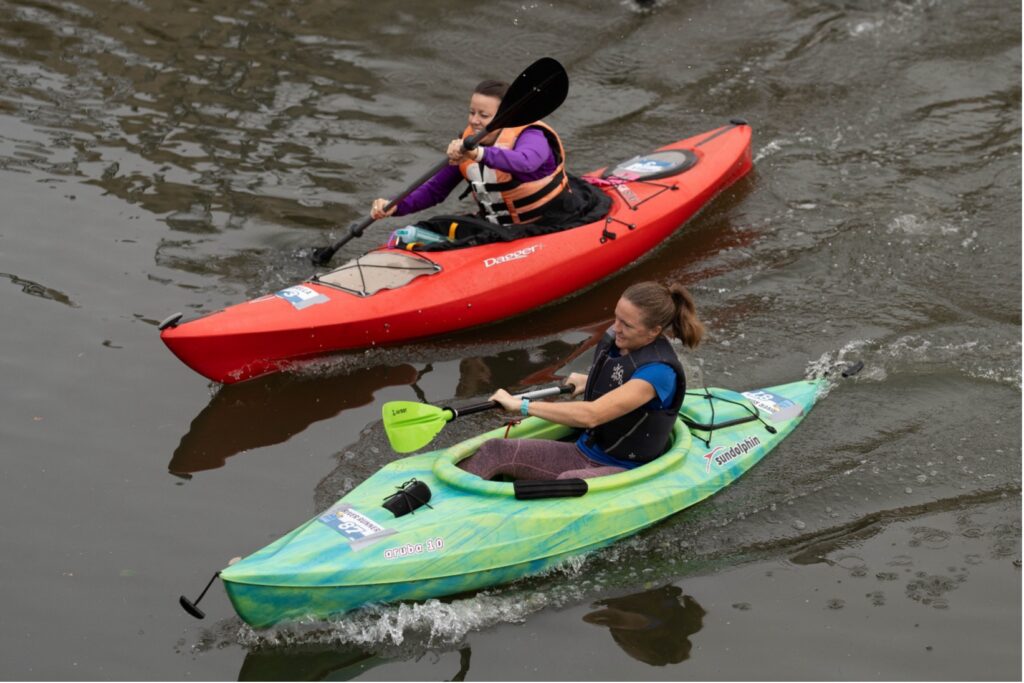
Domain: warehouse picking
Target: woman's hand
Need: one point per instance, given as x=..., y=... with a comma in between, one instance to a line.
x=457, y=153
x=579, y=381
x=377, y=209
x=507, y=400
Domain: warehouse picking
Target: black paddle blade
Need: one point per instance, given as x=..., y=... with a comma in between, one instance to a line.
x=537, y=92
x=190, y=607
x=322, y=255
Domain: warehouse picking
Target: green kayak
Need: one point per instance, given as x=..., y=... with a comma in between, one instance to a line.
x=474, y=533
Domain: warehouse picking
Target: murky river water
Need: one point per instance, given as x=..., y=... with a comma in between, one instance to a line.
x=160, y=156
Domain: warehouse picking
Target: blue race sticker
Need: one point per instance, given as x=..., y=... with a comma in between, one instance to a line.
x=359, y=529
x=646, y=166
x=301, y=296
x=778, y=408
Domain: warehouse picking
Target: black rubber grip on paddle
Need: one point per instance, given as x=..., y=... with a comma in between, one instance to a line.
x=529, y=489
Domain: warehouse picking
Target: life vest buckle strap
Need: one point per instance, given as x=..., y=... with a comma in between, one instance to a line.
x=559, y=180
x=502, y=187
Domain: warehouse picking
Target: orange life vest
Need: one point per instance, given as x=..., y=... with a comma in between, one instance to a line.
x=502, y=198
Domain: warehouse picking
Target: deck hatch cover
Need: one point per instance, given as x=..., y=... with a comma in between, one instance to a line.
x=377, y=270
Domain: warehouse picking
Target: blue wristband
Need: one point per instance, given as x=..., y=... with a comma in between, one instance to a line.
x=524, y=407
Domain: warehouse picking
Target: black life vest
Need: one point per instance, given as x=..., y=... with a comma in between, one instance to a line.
x=643, y=434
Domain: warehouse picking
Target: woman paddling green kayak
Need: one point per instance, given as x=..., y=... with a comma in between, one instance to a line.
x=422, y=527
x=632, y=396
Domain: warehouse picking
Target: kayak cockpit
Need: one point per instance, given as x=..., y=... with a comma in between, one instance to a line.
x=446, y=470
x=378, y=270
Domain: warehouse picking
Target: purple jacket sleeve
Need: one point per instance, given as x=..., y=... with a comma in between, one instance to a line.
x=432, y=192
x=530, y=159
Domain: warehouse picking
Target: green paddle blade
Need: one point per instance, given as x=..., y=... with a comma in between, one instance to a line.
x=411, y=425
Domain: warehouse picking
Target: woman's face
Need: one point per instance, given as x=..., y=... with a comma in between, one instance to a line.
x=630, y=331
x=482, y=109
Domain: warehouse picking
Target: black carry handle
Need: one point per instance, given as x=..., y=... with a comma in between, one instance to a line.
x=532, y=489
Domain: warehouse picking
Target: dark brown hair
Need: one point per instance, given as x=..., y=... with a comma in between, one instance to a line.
x=668, y=307
x=491, y=88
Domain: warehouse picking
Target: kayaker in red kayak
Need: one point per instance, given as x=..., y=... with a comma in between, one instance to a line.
x=516, y=175
x=632, y=396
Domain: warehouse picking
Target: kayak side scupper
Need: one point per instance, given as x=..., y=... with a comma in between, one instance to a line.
x=264, y=334
x=478, y=534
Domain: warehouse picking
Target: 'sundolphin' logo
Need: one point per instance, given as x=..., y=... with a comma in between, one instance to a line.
x=722, y=455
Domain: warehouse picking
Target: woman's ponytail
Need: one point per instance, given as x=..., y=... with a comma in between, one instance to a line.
x=669, y=308
x=686, y=326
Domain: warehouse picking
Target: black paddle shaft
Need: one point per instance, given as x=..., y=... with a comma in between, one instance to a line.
x=490, y=405
x=539, y=90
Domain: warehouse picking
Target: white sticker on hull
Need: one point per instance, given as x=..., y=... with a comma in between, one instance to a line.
x=626, y=193
x=644, y=167
x=301, y=296
x=359, y=529
x=777, y=407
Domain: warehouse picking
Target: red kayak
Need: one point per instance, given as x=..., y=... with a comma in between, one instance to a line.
x=389, y=296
